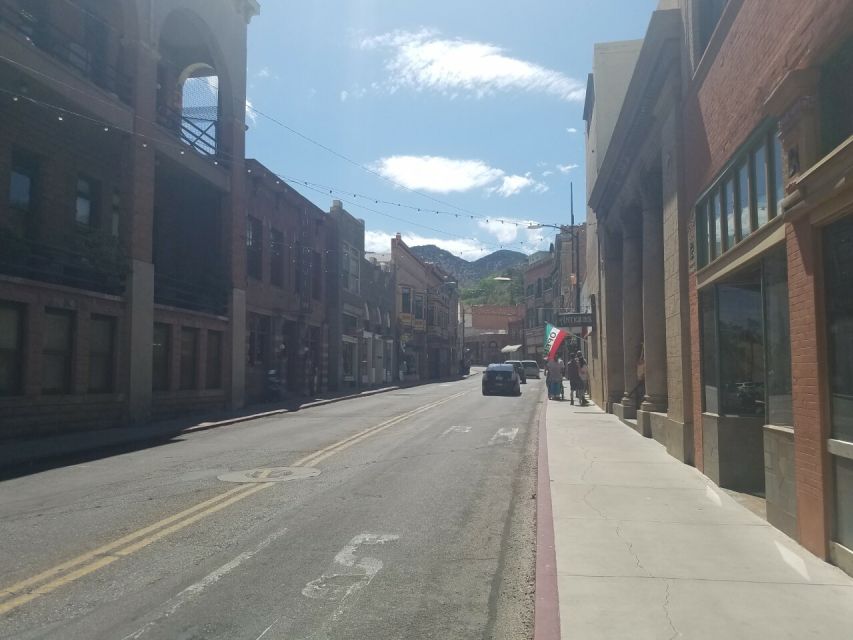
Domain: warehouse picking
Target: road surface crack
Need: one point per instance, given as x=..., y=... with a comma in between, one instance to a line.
x=630, y=548
x=592, y=506
x=675, y=632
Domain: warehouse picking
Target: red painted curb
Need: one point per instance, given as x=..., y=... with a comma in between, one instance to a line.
x=546, y=617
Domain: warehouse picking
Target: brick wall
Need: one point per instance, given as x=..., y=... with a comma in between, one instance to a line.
x=495, y=317
x=810, y=419
x=762, y=45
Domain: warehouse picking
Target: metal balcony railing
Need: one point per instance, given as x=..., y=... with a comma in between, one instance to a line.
x=87, y=260
x=198, y=133
x=84, y=59
x=208, y=295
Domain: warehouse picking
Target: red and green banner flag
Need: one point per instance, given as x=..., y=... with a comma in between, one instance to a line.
x=554, y=337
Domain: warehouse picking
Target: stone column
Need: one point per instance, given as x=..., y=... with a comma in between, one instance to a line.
x=654, y=316
x=632, y=303
x=611, y=314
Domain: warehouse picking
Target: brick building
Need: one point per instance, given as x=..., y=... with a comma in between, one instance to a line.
x=738, y=125
x=122, y=292
x=427, y=304
x=286, y=291
x=487, y=331
x=361, y=307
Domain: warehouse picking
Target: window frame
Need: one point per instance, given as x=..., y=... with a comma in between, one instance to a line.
x=213, y=367
x=66, y=354
x=15, y=356
x=188, y=376
x=108, y=356
x=164, y=384
x=27, y=165
x=92, y=196
x=404, y=293
x=277, y=258
x=254, y=248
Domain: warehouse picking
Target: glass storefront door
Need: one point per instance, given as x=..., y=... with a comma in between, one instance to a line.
x=838, y=275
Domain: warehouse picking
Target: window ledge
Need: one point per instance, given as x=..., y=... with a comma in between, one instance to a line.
x=840, y=448
x=778, y=428
x=747, y=250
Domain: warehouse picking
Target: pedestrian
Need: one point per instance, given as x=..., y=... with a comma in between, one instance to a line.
x=574, y=378
x=583, y=374
x=553, y=378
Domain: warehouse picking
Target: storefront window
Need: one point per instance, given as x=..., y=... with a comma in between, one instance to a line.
x=349, y=361
x=838, y=269
x=844, y=501
x=709, y=351
x=777, y=337
x=741, y=345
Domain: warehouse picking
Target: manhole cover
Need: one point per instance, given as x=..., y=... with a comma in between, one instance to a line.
x=270, y=474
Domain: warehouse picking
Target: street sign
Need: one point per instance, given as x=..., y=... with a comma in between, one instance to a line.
x=576, y=320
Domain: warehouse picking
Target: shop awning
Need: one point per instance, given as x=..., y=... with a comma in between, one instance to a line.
x=510, y=348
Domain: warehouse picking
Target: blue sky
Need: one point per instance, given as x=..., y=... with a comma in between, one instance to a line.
x=476, y=105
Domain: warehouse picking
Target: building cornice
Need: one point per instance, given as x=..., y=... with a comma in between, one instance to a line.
x=658, y=55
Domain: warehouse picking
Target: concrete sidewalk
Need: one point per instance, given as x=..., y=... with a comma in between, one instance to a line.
x=647, y=547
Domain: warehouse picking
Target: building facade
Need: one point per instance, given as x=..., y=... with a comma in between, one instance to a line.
x=286, y=289
x=427, y=304
x=724, y=211
x=487, y=332
x=122, y=296
x=361, y=309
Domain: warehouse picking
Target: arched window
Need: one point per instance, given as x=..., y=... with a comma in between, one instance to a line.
x=189, y=92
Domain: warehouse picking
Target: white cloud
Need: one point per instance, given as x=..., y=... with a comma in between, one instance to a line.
x=424, y=60
x=470, y=249
x=264, y=73
x=344, y=95
x=571, y=130
x=512, y=230
x=251, y=116
x=547, y=173
x=514, y=184
x=437, y=174
x=447, y=175
x=566, y=168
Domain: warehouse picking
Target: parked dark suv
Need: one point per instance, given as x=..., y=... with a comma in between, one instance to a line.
x=501, y=378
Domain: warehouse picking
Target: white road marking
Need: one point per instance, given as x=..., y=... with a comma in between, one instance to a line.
x=354, y=574
x=504, y=435
x=455, y=429
x=192, y=591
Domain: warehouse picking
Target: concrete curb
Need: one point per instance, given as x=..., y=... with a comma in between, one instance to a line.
x=204, y=426
x=546, y=617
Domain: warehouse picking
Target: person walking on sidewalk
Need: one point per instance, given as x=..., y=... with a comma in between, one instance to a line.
x=553, y=378
x=573, y=377
x=583, y=380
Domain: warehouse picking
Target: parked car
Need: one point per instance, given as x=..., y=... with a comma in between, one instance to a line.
x=519, y=368
x=501, y=378
x=531, y=368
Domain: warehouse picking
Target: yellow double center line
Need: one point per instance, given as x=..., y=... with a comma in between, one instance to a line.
x=49, y=580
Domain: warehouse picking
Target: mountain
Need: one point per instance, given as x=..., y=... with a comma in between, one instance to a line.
x=469, y=273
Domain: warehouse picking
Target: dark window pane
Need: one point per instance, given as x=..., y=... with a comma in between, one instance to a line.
x=838, y=270
x=709, y=350
x=317, y=272
x=836, y=97
x=741, y=345
x=844, y=500
x=161, y=356
x=778, y=177
x=254, y=248
x=214, y=360
x=419, y=306
x=728, y=198
x=759, y=158
x=702, y=235
x=85, y=202
x=716, y=226
x=56, y=356
x=189, y=353
x=777, y=338
x=20, y=189
x=406, y=300
x=276, y=257
x=743, y=203
x=11, y=348
x=101, y=353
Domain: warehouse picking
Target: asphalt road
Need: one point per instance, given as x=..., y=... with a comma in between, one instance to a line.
x=420, y=524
